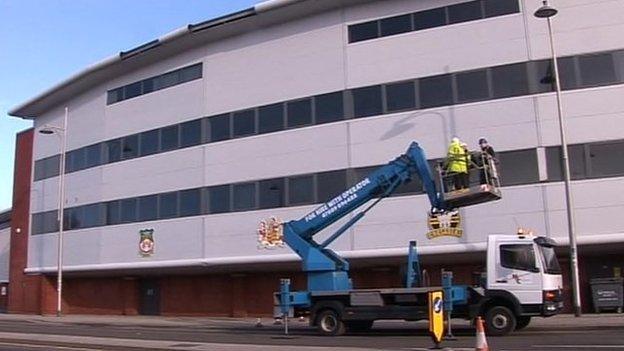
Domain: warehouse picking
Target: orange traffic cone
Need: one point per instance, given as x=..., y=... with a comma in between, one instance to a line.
x=481, y=341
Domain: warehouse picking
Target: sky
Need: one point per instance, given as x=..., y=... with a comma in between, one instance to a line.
x=43, y=42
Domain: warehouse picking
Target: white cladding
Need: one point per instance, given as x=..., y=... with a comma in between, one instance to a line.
x=5, y=246
x=310, y=56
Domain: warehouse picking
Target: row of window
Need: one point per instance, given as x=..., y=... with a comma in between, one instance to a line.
x=263, y=194
x=517, y=79
x=436, y=17
x=595, y=160
x=146, y=86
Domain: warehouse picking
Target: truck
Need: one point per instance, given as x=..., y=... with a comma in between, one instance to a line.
x=522, y=279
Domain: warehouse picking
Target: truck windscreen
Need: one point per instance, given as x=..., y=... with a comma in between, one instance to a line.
x=549, y=259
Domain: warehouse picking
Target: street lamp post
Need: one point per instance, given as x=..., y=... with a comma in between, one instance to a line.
x=61, y=132
x=547, y=12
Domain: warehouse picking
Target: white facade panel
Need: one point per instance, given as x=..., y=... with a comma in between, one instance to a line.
x=5, y=253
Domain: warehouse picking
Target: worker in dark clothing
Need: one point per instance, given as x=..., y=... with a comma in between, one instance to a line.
x=488, y=159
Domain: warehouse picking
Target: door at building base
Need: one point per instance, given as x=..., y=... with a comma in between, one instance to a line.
x=149, y=297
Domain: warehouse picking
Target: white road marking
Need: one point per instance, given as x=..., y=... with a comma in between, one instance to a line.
x=579, y=346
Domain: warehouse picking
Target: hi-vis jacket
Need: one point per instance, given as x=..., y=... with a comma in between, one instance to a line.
x=456, y=159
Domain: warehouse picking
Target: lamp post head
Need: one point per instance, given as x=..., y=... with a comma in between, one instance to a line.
x=46, y=131
x=546, y=11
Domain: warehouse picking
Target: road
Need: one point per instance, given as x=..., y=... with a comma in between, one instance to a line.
x=140, y=333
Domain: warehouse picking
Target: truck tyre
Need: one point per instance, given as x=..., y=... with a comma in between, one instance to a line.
x=329, y=322
x=523, y=322
x=359, y=326
x=499, y=321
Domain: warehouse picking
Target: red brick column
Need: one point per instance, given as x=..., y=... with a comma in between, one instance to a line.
x=239, y=308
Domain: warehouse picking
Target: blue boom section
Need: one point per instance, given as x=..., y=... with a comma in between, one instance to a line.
x=325, y=269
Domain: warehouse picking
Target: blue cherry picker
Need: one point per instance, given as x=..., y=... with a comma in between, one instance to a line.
x=527, y=279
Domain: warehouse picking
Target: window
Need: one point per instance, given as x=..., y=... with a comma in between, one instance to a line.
x=510, y=80
x=270, y=118
x=299, y=113
x=190, y=202
x=244, y=123
x=130, y=147
x=363, y=31
x=597, y=69
x=168, y=205
x=219, y=198
x=113, y=215
x=39, y=169
x=128, y=210
x=395, y=25
x=430, y=18
x=94, y=155
x=244, y=196
x=518, y=167
x=75, y=160
x=435, y=91
x=219, y=127
x=113, y=150
x=47, y=167
x=301, y=190
x=463, y=12
x=400, y=96
x=148, y=208
x=358, y=174
x=73, y=218
x=50, y=222
x=272, y=193
x=191, y=133
x=149, y=142
x=132, y=90
x=544, y=76
x=576, y=156
x=166, y=80
x=190, y=73
x=518, y=256
x=567, y=73
x=414, y=186
x=114, y=96
x=605, y=159
x=367, y=101
x=169, y=138
x=500, y=7
x=330, y=184
x=148, y=85
x=37, y=223
x=472, y=86
x=329, y=107
x=92, y=216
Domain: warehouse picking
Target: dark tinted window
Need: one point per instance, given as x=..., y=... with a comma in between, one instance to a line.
x=53, y=165
x=329, y=107
x=244, y=123
x=128, y=210
x=114, y=95
x=543, y=76
x=37, y=223
x=190, y=202
x=130, y=147
x=75, y=160
x=92, y=216
x=301, y=190
x=73, y=218
x=166, y=80
x=472, y=86
x=414, y=186
x=272, y=193
x=113, y=213
x=430, y=18
x=148, y=85
x=169, y=139
x=518, y=256
x=567, y=73
x=219, y=198
x=219, y=127
x=467, y=11
x=148, y=208
x=605, y=159
x=396, y=25
x=149, y=142
x=271, y=118
x=500, y=7
x=400, y=96
x=363, y=31
x=330, y=184
x=299, y=113
x=510, y=80
x=191, y=73
x=576, y=157
x=546, y=75
x=435, y=91
x=244, y=196
x=518, y=167
x=113, y=150
x=191, y=133
x=367, y=101
x=132, y=90
x=50, y=222
x=168, y=205
x=40, y=170
x=597, y=69
x=94, y=155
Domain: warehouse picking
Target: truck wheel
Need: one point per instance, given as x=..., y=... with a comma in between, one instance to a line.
x=359, y=326
x=523, y=322
x=499, y=321
x=329, y=323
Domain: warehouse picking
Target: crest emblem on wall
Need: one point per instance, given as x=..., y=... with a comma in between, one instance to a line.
x=146, y=242
x=444, y=224
x=270, y=234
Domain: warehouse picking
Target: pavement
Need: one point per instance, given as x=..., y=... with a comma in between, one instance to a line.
x=136, y=333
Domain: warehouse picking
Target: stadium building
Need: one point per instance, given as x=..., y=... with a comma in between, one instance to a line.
x=178, y=148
